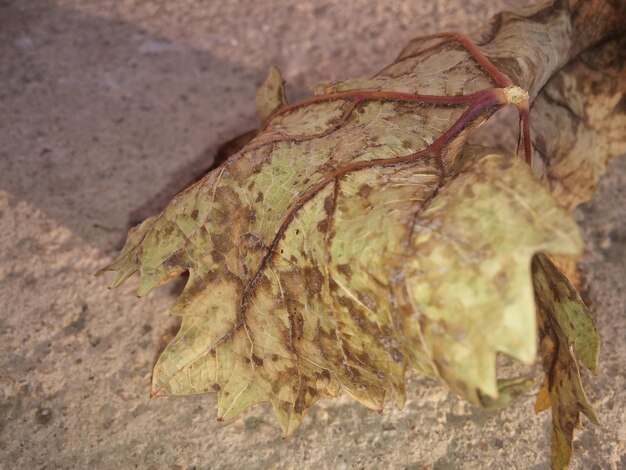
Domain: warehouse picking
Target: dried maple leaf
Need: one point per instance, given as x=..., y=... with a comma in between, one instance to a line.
x=357, y=234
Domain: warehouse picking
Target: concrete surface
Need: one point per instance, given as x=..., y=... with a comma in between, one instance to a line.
x=107, y=109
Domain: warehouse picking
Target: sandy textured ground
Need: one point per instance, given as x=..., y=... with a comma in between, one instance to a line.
x=107, y=109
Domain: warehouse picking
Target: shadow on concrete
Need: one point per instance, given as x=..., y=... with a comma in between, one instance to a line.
x=124, y=119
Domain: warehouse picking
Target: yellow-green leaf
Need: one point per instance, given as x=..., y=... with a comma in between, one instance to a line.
x=377, y=269
x=271, y=96
x=566, y=331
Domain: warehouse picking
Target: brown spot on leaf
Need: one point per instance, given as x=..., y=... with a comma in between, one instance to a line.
x=222, y=242
x=557, y=293
x=358, y=316
x=292, y=303
x=367, y=300
x=176, y=260
x=251, y=241
x=301, y=401
x=219, y=216
x=296, y=328
x=407, y=144
x=228, y=199
x=216, y=256
x=329, y=205
x=250, y=215
x=396, y=355
x=345, y=269
x=365, y=190
x=314, y=280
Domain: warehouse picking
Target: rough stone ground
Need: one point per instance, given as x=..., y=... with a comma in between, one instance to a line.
x=107, y=109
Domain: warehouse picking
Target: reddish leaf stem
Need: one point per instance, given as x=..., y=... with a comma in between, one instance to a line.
x=524, y=149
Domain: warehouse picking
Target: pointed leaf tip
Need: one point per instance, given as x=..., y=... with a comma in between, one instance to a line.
x=270, y=97
x=565, y=328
